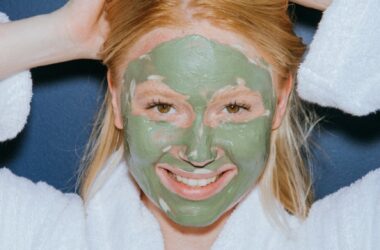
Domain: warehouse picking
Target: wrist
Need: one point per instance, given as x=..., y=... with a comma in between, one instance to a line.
x=65, y=44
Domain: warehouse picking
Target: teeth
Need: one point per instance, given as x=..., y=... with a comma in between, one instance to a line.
x=195, y=182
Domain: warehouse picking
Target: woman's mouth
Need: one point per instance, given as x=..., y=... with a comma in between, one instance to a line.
x=196, y=186
x=194, y=182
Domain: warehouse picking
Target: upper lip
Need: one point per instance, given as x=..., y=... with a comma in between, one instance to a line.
x=183, y=173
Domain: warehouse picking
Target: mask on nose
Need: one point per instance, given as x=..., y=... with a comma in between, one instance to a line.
x=197, y=117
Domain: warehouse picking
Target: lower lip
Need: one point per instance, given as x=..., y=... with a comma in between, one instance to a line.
x=195, y=193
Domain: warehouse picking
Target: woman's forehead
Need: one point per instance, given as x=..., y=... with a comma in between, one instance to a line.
x=160, y=35
x=196, y=66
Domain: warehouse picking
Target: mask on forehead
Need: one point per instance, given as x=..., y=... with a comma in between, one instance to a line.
x=197, y=118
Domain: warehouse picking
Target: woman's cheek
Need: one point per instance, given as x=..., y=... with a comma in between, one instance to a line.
x=246, y=144
x=164, y=136
x=150, y=139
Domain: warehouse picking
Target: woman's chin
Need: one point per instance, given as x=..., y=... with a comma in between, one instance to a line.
x=194, y=221
x=199, y=220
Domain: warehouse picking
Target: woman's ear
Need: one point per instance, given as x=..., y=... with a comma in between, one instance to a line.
x=115, y=101
x=283, y=90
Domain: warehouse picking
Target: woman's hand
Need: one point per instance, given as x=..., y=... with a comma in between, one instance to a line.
x=75, y=31
x=84, y=25
x=315, y=4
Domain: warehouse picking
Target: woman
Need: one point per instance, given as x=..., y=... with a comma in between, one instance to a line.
x=176, y=139
x=215, y=78
x=199, y=113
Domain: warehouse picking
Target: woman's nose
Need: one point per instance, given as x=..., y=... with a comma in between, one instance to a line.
x=199, y=147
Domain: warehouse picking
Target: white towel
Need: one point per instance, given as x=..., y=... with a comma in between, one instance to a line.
x=342, y=68
x=15, y=97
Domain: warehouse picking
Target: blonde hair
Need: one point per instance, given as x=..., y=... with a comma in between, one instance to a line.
x=268, y=26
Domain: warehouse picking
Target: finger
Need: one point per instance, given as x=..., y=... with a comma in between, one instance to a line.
x=314, y=4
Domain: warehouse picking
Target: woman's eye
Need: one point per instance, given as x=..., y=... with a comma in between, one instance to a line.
x=235, y=108
x=232, y=108
x=164, y=108
x=161, y=107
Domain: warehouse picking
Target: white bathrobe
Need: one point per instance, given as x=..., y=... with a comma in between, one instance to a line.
x=36, y=216
x=341, y=69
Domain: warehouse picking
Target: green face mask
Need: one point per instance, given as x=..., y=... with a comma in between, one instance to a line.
x=197, y=117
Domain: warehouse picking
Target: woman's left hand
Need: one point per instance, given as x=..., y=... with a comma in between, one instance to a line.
x=315, y=4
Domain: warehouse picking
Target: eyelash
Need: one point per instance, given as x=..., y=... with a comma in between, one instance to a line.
x=240, y=105
x=156, y=103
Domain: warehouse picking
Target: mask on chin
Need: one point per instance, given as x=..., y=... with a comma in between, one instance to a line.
x=198, y=117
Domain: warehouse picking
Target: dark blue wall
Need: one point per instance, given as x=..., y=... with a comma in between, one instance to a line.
x=67, y=96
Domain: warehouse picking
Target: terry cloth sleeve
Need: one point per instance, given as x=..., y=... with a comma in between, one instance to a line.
x=341, y=69
x=15, y=97
x=37, y=216
x=347, y=219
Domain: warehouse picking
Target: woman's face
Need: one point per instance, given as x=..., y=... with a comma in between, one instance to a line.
x=198, y=114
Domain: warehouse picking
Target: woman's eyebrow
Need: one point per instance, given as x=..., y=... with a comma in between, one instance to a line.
x=156, y=91
x=157, y=87
x=235, y=91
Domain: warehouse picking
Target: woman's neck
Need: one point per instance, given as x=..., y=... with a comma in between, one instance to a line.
x=181, y=237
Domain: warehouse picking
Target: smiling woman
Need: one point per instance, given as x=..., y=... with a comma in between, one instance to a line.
x=200, y=138
x=200, y=97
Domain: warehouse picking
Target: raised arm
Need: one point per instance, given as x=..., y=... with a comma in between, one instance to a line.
x=75, y=31
x=342, y=65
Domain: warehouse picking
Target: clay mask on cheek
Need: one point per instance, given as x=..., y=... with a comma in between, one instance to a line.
x=197, y=118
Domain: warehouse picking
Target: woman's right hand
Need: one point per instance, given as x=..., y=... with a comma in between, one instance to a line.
x=77, y=30
x=315, y=4
x=83, y=24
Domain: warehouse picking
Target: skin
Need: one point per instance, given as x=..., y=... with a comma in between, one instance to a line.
x=204, y=83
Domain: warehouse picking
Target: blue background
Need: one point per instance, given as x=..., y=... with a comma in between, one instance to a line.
x=68, y=95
